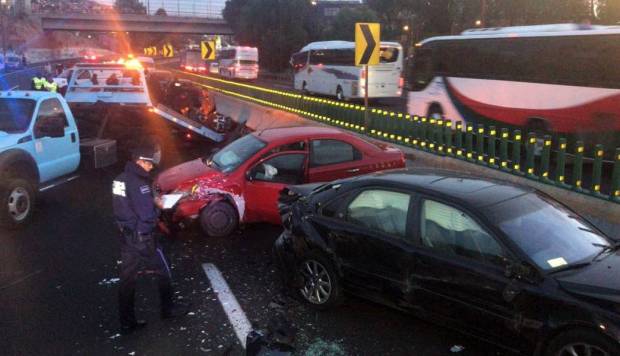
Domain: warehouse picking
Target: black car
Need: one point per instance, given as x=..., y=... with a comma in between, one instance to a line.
x=501, y=262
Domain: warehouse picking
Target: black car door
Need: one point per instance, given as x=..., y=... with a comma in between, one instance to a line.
x=460, y=273
x=368, y=232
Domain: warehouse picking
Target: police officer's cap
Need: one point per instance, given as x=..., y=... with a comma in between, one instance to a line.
x=144, y=153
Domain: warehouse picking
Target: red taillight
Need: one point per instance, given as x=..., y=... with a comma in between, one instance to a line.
x=363, y=75
x=202, y=69
x=93, y=57
x=189, y=67
x=188, y=136
x=401, y=82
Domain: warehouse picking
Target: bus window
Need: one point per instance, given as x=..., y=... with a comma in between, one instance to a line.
x=388, y=55
x=422, y=71
x=299, y=60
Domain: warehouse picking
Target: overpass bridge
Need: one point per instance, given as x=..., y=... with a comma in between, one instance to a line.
x=134, y=23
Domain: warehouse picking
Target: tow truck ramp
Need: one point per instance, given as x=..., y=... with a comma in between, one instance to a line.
x=187, y=123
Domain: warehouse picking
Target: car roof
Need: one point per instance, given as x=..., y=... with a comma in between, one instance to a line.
x=299, y=133
x=466, y=189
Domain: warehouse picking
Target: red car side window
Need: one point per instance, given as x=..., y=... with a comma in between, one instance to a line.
x=326, y=152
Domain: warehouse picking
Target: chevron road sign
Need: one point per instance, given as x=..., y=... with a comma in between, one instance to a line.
x=207, y=50
x=367, y=40
x=167, y=51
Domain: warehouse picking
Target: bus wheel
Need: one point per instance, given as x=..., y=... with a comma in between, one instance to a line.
x=339, y=94
x=435, y=112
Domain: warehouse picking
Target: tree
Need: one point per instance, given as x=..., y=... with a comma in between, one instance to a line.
x=161, y=12
x=129, y=7
x=343, y=26
x=609, y=12
x=277, y=27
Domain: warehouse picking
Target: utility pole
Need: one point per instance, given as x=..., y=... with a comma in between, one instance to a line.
x=483, y=13
x=3, y=7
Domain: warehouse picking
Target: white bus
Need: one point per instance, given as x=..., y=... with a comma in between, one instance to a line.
x=562, y=79
x=328, y=68
x=238, y=62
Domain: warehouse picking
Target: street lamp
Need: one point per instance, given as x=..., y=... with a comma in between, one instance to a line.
x=406, y=28
x=3, y=6
x=478, y=22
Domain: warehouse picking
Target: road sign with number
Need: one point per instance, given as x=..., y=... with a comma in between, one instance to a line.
x=367, y=43
x=207, y=50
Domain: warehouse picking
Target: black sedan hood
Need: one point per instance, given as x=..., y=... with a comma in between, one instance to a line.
x=598, y=280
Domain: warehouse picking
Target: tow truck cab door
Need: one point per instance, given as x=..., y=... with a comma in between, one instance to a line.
x=265, y=180
x=56, y=142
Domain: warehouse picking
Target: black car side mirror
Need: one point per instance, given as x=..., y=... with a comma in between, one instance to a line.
x=519, y=270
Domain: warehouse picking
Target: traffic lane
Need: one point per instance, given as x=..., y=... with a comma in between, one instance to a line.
x=58, y=287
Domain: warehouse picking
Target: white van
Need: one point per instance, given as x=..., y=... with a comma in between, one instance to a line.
x=328, y=68
x=238, y=62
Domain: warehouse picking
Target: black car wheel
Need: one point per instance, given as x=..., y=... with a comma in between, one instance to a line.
x=320, y=285
x=582, y=343
x=219, y=219
x=17, y=203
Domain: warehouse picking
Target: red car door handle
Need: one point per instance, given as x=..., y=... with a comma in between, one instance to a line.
x=354, y=170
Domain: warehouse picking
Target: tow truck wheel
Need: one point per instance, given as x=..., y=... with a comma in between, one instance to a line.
x=219, y=219
x=17, y=203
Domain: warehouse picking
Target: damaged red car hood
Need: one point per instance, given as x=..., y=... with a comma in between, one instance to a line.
x=172, y=178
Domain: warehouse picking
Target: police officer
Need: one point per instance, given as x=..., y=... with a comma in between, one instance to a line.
x=136, y=213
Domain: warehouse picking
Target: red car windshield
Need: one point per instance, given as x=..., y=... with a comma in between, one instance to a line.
x=237, y=152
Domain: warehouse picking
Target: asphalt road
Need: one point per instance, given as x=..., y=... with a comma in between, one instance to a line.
x=58, y=285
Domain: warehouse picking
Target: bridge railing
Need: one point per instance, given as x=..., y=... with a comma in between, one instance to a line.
x=172, y=8
x=592, y=171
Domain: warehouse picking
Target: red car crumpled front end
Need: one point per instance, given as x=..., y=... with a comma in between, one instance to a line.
x=196, y=182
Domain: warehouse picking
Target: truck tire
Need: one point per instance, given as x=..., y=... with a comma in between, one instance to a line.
x=17, y=198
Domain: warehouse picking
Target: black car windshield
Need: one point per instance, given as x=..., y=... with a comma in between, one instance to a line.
x=15, y=114
x=552, y=236
x=239, y=151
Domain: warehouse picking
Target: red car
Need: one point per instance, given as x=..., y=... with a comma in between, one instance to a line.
x=241, y=183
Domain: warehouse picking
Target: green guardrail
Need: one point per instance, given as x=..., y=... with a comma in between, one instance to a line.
x=507, y=150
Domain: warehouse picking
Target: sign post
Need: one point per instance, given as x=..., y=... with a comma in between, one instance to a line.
x=367, y=45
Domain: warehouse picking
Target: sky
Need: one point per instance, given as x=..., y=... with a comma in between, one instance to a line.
x=186, y=7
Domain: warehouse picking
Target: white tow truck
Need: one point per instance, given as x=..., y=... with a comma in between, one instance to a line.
x=112, y=100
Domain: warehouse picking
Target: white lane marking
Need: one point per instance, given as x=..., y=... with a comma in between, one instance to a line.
x=233, y=310
x=13, y=88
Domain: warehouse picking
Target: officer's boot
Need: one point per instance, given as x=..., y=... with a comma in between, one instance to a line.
x=169, y=308
x=129, y=324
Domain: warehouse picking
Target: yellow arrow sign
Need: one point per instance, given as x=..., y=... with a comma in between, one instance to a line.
x=367, y=43
x=167, y=51
x=207, y=50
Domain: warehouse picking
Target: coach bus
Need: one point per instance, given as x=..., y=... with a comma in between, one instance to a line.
x=329, y=68
x=557, y=79
x=238, y=62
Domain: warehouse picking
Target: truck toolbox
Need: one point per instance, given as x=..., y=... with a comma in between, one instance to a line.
x=97, y=152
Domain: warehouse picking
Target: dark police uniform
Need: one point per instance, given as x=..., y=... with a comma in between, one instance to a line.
x=136, y=216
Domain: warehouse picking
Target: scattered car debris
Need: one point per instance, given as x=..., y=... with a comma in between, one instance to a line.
x=457, y=348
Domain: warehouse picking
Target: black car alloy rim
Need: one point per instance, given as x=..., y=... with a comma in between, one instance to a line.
x=317, y=285
x=582, y=349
